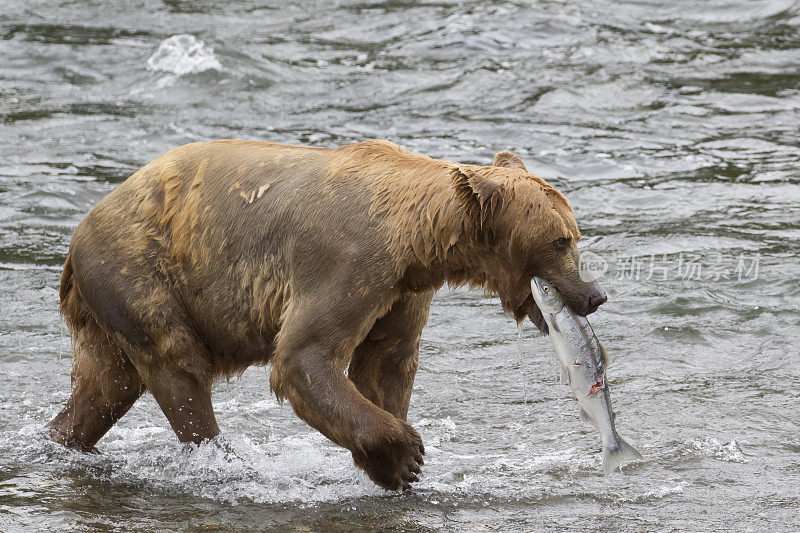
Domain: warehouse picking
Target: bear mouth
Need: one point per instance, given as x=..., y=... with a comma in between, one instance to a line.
x=531, y=310
x=538, y=320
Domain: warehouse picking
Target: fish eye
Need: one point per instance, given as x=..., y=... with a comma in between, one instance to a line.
x=545, y=288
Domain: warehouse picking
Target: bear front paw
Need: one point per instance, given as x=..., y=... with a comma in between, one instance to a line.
x=393, y=462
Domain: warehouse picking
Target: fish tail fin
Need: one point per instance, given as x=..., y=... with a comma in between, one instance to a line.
x=613, y=457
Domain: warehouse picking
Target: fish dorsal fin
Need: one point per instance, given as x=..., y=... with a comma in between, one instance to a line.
x=604, y=355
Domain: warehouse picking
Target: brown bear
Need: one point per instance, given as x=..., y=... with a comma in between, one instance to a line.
x=220, y=255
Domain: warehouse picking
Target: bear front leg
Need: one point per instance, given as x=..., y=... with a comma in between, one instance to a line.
x=385, y=363
x=311, y=353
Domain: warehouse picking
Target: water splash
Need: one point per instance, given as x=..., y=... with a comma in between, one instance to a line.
x=183, y=54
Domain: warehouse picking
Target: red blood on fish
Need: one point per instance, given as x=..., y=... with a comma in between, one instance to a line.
x=599, y=385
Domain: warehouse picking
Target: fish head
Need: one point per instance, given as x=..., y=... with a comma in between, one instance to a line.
x=546, y=296
x=578, y=287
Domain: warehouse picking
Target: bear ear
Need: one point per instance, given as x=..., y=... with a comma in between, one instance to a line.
x=508, y=160
x=479, y=192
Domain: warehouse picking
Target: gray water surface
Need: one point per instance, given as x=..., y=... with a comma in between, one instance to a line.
x=672, y=127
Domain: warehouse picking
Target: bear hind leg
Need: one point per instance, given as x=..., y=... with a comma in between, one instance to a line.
x=104, y=387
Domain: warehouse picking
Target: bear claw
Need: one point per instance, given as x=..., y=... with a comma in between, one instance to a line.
x=393, y=463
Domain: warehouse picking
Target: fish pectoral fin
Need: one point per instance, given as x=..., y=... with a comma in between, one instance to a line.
x=585, y=416
x=604, y=355
x=564, y=375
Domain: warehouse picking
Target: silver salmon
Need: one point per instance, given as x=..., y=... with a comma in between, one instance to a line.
x=583, y=366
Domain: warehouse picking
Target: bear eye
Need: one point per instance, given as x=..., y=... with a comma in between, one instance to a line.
x=562, y=243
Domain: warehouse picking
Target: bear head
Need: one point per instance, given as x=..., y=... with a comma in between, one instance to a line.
x=530, y=230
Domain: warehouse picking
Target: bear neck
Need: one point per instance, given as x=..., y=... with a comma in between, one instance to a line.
x=432, y=236
x=438, y=239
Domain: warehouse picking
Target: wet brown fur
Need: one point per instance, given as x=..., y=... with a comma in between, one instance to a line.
x=220, y=255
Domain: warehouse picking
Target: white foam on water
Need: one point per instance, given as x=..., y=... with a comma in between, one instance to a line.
x=235, y=469
x=231, y=470
x=306, y=469
x=437, y=430
x=29, y=266
x=661, y=491
x=711, y=447
x=183, y=54
x=667, y=490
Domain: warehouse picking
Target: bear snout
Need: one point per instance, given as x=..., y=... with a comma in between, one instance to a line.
x=594, y=300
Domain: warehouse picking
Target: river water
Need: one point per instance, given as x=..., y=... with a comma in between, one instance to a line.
x=672, y=127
